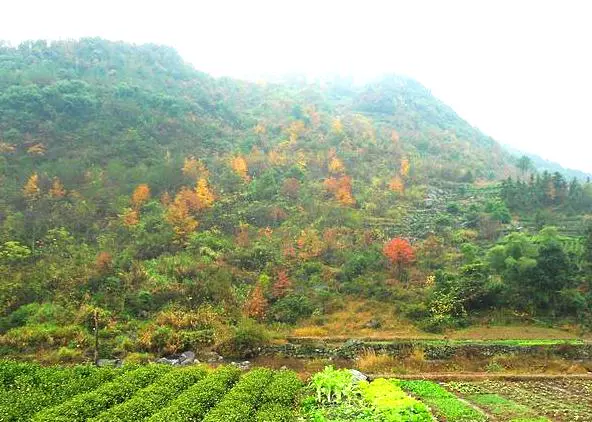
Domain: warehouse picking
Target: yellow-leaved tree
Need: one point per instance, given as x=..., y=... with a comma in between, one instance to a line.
x=204, y=194
x=240, y=167
x=31, y=190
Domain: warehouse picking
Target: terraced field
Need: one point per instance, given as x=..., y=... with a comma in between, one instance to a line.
x=156, y=393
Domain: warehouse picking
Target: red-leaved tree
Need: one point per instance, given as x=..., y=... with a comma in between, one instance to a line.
x=400, y=254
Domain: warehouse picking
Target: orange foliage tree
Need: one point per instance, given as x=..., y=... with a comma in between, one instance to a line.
x=400, y=254
x=182, y=221
x=282, y=285
x=341, y=188
x=189, y=199
x=57, y=189
x=336, y=166
x=104, y=262
x=131, y=217
x=140, y=195
x=396, y=184
x=291, y=187
x=405, y=166
x=256, y=305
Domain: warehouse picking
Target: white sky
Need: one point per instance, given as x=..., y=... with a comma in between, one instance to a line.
x=520, y=70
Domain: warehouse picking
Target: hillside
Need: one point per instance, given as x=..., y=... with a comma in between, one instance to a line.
x=186, y=211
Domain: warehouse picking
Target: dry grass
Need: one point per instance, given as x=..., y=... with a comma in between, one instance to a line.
x=310, y=331
x=371, y=362
x=523, y=332
x=352, y=321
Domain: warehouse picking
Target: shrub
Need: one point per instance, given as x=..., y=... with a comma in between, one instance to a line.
x=86, y=405
x=290, y=309
x=195, y=402
x=245, y=339
x=149, y=400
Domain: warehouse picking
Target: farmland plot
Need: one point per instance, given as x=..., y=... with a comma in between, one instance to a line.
x=559, y=400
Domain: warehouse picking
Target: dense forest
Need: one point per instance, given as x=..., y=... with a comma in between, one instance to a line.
x=187, y=211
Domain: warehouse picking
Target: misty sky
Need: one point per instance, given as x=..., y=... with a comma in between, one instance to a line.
x=519, y=70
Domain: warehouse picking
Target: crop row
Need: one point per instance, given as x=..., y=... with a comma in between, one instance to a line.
x=150, y=400
x=87, y=405
x=26, y=389
x=443, y=403
x=241, y=402
x=196, y=401
x=392, y=403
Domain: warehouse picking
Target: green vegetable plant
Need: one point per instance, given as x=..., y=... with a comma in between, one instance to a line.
x=333, y=385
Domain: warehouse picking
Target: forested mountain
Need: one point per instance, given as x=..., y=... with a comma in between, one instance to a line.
x=182, y=208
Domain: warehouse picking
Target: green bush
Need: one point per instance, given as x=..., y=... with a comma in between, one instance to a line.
x=290, y=309
x=241, y=402
x=197, y=400
x=246, y=338
x=150, y=400
x=86, y=405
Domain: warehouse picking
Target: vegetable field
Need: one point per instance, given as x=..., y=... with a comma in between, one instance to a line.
x=156, y=393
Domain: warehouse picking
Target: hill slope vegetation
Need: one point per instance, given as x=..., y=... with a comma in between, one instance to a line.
x=188, y=211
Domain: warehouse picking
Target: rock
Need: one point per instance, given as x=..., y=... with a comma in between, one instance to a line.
x=243, y=366
x=167, y=361
x=117, y=363
x=185, y=358
x=373, y=323
x=211, y=357
x=358, y=376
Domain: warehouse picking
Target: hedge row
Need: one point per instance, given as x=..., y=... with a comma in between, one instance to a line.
x=241, y=402
x=273, y=412
x=10, y=370
x=28, y=389
x=151, y=399
x=87, y=405
x=195, y=402
x=442, y=402
x=279, y=398
x=283, y=389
